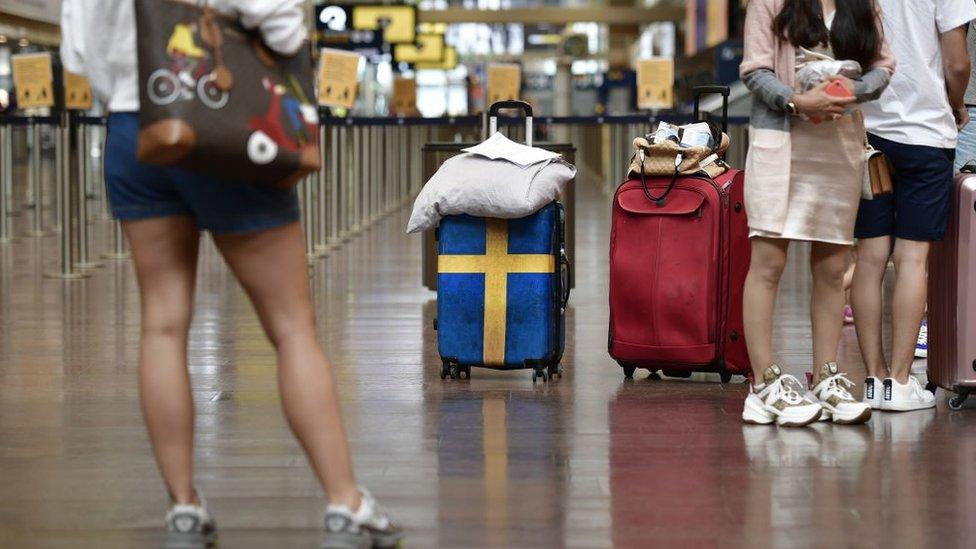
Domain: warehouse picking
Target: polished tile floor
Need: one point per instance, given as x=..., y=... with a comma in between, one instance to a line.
x=587, y=461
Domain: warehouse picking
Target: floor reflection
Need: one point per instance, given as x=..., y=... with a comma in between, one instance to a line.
x=684, y=471
x=498, y=471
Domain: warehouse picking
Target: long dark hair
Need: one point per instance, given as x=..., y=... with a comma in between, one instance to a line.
x=853, y=35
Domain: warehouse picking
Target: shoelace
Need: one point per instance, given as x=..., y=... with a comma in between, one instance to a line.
x=790, y=389
x=839, y=384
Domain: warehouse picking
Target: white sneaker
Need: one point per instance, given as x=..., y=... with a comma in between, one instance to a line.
x=906, y=397
x=189, y=526
x=872, y=392
x=781, y=399
x=834, y=395
x=365, y=528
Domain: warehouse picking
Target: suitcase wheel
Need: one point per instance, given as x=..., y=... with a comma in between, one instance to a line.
x=628, y=370
x=677, y=373
x=957, y=402
x=726, y=377
x=455, y=370
x=544, y=371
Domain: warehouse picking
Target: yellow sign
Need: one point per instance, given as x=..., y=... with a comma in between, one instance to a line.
x=448, y=63
x=504, y=82
x=338, y=78
x=77, y=92
x=404, y=96
x=33, y=79
x=398, y=22
x=496, y=264
x=655, y=83
x=428, y=48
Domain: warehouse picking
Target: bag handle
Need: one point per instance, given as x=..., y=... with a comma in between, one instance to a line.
x=659, y=200
x=510, y=104
x=724, y=91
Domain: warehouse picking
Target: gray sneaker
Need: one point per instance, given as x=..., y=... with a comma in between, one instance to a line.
x=189, y=527
x=369, y=527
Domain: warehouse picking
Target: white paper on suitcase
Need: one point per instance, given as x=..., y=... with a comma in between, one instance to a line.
x=475, y=183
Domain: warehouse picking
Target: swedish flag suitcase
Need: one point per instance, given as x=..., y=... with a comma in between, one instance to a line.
x=502, y=289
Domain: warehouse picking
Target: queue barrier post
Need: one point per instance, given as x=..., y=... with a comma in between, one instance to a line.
x=6, y=181
x=34, y=185
x=66, y=182
x=84, y=171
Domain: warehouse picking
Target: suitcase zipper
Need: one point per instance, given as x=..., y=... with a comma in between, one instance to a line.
x=723, y=252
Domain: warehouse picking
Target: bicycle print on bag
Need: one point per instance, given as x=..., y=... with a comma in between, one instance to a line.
x=216, y=100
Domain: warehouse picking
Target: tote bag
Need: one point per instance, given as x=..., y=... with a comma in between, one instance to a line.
x=214, y=99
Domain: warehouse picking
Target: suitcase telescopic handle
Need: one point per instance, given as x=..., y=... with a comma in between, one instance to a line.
x=511, y=104
x=724, y=91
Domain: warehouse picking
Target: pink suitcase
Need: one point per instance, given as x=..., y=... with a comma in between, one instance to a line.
x=952, y=297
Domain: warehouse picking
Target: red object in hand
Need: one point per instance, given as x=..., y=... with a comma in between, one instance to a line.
x=837, y=88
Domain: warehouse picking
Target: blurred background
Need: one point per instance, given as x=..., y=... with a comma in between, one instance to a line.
x=575, y=57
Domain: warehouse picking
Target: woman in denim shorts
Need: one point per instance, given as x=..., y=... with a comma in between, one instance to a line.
x=257, y=230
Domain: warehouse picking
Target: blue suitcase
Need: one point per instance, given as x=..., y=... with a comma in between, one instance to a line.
x=502, y=289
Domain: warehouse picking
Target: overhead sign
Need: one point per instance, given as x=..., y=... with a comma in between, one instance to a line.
x=429, y=48
x=77, y=92
x=33, y=79
x=398, y=23
x=338, y=78
x=334, y=29
x=449, y=62
x=655, y=83
x=504, y=82
x=706, y=24
x=404, y=96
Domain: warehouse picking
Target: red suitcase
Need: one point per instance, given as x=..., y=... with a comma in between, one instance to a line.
x=677, y=271
x=952, y=297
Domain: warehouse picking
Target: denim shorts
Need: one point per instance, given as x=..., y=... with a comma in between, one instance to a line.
x=919, y=207
x=142, y=191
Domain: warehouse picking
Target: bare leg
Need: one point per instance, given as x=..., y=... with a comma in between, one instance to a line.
x=272, y=267
x=828, y=263
x=849, y=276
x=165, y=255
x=908, y=307
x=872, y=261
x=759, y=300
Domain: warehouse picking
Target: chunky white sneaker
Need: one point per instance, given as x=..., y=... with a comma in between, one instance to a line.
x=906, y=397
x=872, y=392
x=833, y=393
x=189, y=527
x=367, y=527
x=780, y=399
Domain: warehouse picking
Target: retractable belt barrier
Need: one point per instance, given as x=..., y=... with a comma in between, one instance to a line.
x=371, y=167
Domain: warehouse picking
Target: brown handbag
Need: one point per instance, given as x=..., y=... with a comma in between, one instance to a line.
x=658, y=159
x=215, y=100
x=669, y=159
x=877, y=177
x=877, y=173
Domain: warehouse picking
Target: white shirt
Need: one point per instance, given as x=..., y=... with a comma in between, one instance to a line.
x=98, y=40
x=914, y=109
